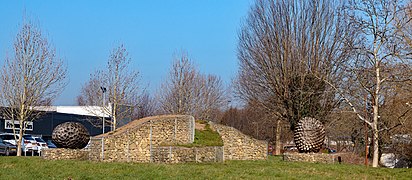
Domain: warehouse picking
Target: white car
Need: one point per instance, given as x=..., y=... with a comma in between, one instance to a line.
x=41, y=144
x=28, y=144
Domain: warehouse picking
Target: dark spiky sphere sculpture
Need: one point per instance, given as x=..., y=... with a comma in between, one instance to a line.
x=309, y=135
x=72, y=135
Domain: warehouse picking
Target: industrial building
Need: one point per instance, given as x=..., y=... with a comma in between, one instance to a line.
x=55, y=115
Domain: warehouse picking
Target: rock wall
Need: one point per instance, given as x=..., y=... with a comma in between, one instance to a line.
x=174, y=154
x=134, y=143
x=65, y=154
x=151, y=140
x=316, y=157
x=238, y=146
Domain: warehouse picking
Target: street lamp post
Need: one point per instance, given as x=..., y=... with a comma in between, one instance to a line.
x=103, y=97
x=103, y=93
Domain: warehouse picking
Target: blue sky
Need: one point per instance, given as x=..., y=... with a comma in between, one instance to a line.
x=84, y=32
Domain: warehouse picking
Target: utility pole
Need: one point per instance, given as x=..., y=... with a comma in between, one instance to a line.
x=103, y=97
x=103, y=112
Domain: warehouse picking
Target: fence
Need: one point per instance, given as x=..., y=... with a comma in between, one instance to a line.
x=173, y=154
x=136, y=143
x=167, y=154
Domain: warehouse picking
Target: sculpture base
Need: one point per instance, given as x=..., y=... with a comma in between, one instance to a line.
x=64, y=154
x=317, y=157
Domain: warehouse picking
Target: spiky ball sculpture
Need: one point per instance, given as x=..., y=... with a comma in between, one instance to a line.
x=72, y=135
x=309, y=135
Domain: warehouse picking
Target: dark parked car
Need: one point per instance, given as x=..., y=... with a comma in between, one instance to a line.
x=7, y=148
x=50, y=144
x=330, y=150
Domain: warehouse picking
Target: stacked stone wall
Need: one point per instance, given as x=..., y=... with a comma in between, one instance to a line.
x=317, y=157
x=175, y=154
x=65, y=154
x=95, y=154
x=152, y=139
x=135, y=144
x=238, y=146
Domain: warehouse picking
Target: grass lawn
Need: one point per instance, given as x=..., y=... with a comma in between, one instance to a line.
x=273, y=168
x=205, y=137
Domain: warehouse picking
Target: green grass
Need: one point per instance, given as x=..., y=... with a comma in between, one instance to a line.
x=206, y=137
x=273, y=168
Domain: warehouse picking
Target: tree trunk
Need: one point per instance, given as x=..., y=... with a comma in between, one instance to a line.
x=19, y=147
x=278, y=143
x=375, y=130
x=19, y=140
x=114, y=122
x=114, y=116
x=21, y=128
x=375, y=159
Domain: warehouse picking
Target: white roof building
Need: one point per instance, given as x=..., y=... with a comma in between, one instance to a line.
x=78, y=110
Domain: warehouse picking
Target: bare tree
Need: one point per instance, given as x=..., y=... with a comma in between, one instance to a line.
x=284, y=46
x=121, y=85
x=346, y=131
x=379, y=26
x=177, y=93
x=189, y=92
x=395, y=124
x=252, y=121
x=34, y=76
x=146, y=106
x=212, y=97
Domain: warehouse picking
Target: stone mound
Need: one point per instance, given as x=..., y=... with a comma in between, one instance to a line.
x=139, y=122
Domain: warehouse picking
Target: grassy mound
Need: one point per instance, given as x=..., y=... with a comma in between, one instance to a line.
x=205, y=137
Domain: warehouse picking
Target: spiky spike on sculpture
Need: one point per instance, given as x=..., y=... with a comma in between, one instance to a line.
x=309, y=135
